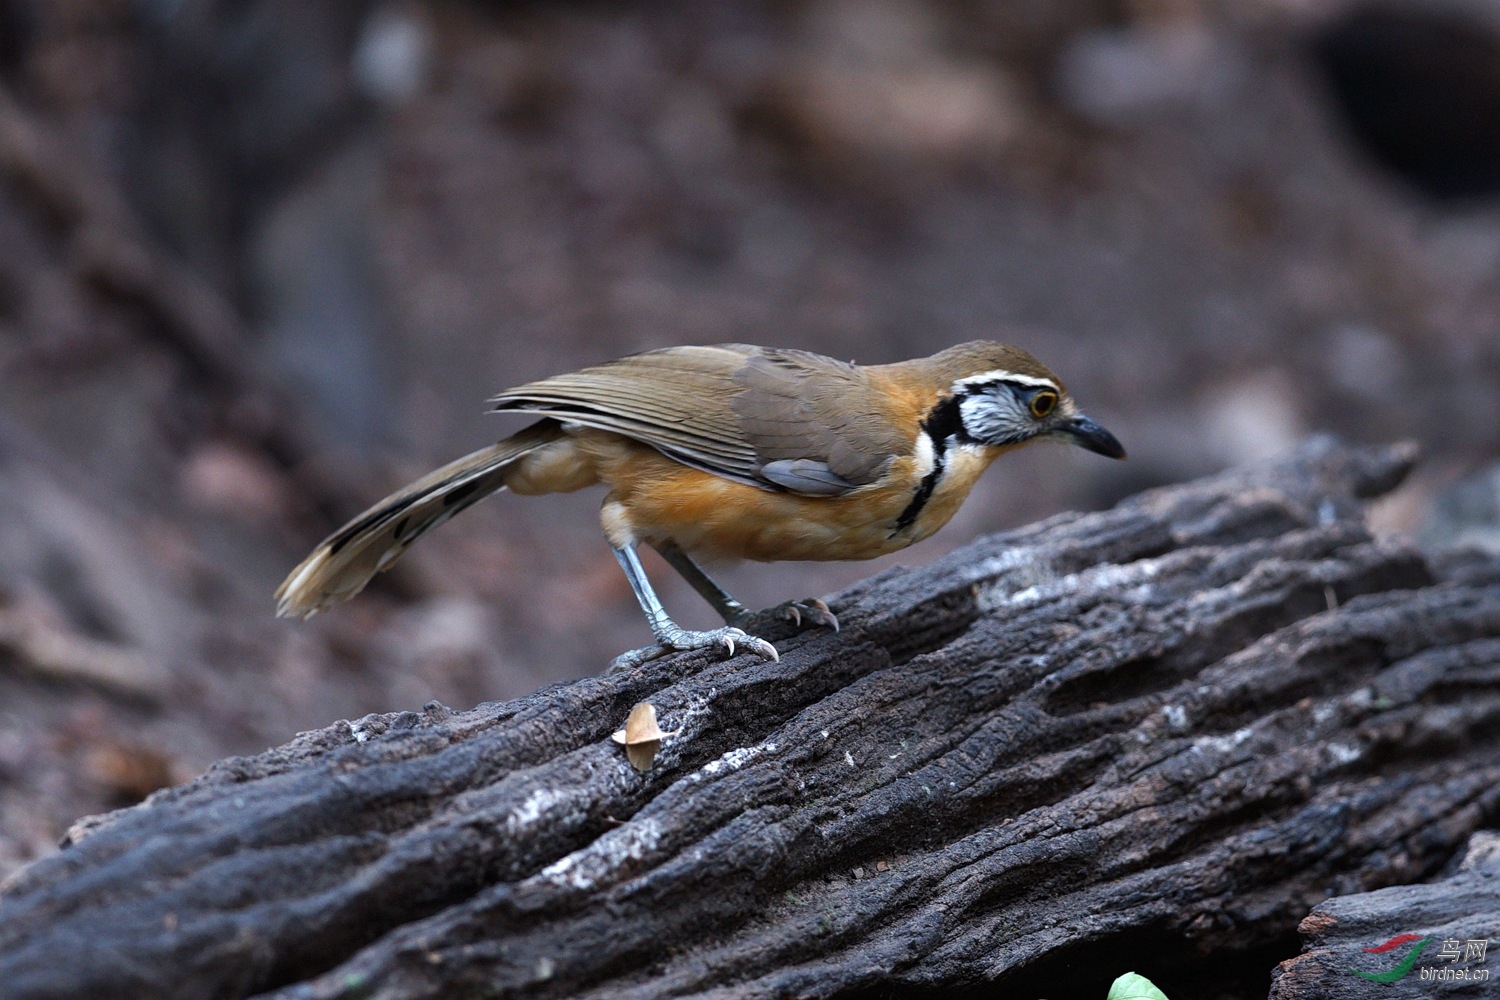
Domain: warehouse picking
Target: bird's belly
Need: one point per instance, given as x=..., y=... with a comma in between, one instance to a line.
x=714, y=518
x=654, y=499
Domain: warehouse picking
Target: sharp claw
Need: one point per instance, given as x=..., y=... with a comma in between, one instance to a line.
x=800, y=613
x=819, y=613
x=734, y=640
x=751, y=644
x=762, y=648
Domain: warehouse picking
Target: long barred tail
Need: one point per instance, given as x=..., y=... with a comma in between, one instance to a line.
x=346, y=560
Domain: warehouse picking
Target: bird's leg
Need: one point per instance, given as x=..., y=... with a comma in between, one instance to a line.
x=669, y=635
x=732, y=611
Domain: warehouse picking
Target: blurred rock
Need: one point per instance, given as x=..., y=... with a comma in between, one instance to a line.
x=392, y=58
x=1253, y=419
x=1466, y=514
x=128, y=771
x=1116, y=76
x=443, y=648
x=693, y=128
x=877, y=77
x=1363, y=361
x=232, y=479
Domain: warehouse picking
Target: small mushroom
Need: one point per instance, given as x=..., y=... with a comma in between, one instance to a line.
x=641, y=736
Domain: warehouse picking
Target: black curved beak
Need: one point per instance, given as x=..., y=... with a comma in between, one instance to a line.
x=1088, y=433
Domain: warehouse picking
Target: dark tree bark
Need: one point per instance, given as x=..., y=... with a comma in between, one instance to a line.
x=1153, y=737
x=1449, y=927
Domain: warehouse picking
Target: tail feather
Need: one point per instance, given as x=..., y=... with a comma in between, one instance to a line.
x=349, y=558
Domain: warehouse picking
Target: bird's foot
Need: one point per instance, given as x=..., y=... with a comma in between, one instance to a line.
x=812, y=610
x=731, y=638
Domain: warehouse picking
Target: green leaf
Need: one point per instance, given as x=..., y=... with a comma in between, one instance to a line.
x=1133, y=987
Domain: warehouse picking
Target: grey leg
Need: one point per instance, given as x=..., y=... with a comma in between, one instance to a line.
x=732, y=611
x=669, y=635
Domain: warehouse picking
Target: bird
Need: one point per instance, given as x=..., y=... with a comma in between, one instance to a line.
x=732, y=452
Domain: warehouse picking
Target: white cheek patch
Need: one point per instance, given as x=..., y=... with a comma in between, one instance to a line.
x=993, y=419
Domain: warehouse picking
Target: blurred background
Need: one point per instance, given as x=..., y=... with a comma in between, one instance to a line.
x=261, y=261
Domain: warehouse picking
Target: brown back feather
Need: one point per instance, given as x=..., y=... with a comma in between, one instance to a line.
x=774, y=418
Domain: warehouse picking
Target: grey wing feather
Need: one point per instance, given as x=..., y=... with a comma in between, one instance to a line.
x=807, y=476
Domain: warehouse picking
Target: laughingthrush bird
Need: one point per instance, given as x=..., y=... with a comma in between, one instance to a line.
x=733, y=452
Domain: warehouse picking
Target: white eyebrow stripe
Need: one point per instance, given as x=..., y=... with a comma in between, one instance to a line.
x=1000, y=375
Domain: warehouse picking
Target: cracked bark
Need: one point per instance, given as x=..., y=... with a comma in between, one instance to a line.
x=1157, y=734
x=1350, y=937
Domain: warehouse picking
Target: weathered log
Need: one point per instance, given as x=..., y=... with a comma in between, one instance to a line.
x=1433, y=939
x=1152, y=738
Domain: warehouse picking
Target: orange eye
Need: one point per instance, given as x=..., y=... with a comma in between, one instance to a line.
x=1043, y=403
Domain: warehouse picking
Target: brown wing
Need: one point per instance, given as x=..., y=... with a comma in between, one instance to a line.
x=801, y=410
x=780, y=420
x=677, y=400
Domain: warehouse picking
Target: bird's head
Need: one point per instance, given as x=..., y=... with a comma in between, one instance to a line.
x=1004, y=396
